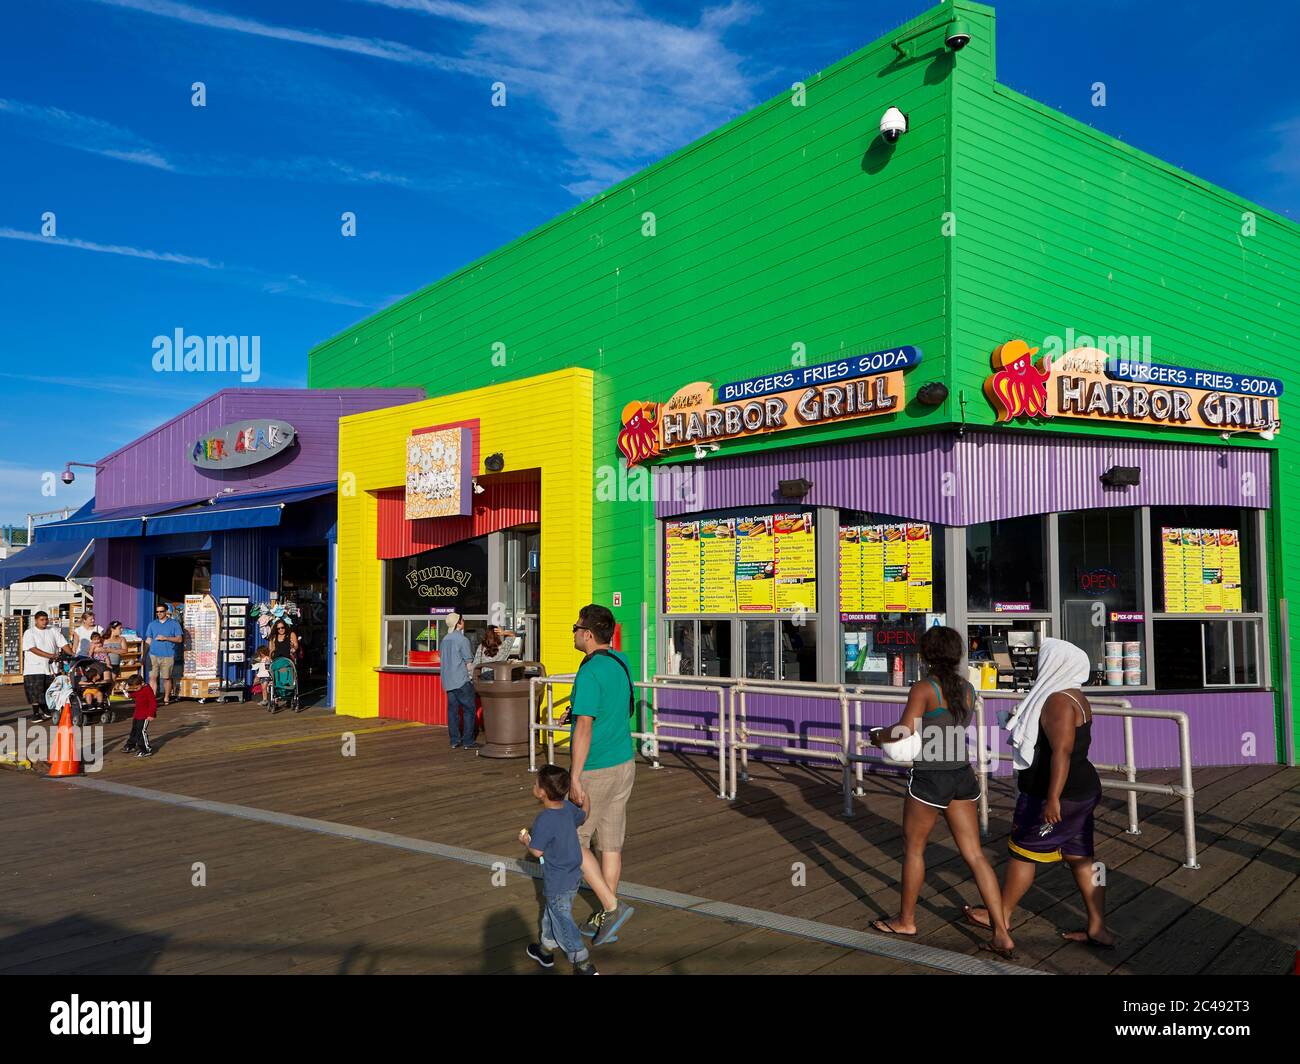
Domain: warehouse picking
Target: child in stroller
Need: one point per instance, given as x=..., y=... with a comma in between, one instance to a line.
x=92, y=683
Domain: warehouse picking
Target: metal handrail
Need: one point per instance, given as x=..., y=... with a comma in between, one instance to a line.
x=850, y=750
x=650, y=738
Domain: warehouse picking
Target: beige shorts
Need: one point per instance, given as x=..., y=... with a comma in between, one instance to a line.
x=161, y=667
x=608, y=790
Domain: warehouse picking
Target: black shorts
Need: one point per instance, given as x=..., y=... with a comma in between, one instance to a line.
x=35, y=686
x=939, y=786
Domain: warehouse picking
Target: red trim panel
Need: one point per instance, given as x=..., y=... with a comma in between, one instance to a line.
x=508, y=499
x=412, y=696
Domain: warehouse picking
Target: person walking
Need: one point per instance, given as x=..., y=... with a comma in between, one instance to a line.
x=42, y=645
x=554, y=838
x=162, y=639
x=1050, y=733
x=454, y=656
x=602, y=770
x=146, y=709
x=941, y=781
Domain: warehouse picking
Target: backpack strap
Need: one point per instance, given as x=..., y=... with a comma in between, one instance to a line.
x=631, y=691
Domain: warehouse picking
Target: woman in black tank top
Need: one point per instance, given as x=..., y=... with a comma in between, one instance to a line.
x=939, y=708
x=1059, y=792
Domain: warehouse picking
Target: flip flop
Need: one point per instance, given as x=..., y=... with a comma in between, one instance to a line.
x=1005, y=954
x=882, y=925
x=968, y=916
x=1087, y=940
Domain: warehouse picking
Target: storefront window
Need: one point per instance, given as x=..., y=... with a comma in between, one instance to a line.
x=699, y=646
x=1006, y=566
x=1102, y=592
x=1003, y=653
x=781, y=650
x=884, y=652
x=422, y=589
x=1192, y=654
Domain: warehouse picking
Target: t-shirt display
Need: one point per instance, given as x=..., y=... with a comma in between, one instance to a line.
x=760, y=563
x=887, y=568
x=1202, y=570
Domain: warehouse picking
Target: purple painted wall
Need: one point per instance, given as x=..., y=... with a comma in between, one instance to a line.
x=156, y=467
x=1217, y=724
x=981, y=477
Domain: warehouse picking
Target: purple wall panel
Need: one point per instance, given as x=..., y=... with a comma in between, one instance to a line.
x=1218, y=722
x=981, y=477
x=117, y=575
x=156, y=468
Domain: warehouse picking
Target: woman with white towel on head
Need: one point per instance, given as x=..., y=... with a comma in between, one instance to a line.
x=1050, y=733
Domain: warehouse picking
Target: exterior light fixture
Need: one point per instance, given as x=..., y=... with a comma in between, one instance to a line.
x=794, y=489
x=701, y=449
x=932, y=394
x=494, y=463
x=1122, y=476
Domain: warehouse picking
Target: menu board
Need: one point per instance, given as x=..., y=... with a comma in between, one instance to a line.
x=234, y=629
x=202, y=629
x=1202, y=569
x=11, y=651
x=764, y=563
x=887, y=568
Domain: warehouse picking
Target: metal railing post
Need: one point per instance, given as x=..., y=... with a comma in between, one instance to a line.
x=1130, y=773
x=550, y=720
x=532, y=725
x=722, y=743
x=744, y=736
x=858, y=746
x=982, y=766
x=1189, y=810
x=846, y=753
x=731, y=710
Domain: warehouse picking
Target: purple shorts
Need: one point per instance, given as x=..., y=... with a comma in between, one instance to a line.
x=1070, y=837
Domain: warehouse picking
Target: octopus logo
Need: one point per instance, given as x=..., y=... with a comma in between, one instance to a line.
x=639, y=437
x=1018, y=387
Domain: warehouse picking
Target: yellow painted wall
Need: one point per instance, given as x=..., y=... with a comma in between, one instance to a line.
x=542, y=422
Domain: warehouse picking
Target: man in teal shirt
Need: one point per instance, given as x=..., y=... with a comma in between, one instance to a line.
x=602, y=769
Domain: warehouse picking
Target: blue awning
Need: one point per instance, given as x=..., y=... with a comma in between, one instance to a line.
x=259, y=509
x=55, y=560
x=107, y=524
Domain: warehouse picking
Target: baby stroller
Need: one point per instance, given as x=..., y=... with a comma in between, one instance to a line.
x=284, y=685
x=82, y=673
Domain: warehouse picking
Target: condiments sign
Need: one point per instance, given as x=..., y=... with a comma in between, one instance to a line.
x=1088, y=383
x=438, y=477
x=859, y=386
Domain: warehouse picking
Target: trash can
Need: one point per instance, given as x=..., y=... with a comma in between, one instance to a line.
x=505, y=705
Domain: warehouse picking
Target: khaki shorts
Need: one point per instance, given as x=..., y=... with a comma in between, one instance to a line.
x=608, y=790
x=161, y=667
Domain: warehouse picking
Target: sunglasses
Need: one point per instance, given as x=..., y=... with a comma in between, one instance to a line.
x=581, y=628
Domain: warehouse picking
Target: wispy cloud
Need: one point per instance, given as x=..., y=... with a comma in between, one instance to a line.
x=622, y=87
x=116, y=387
x=110, y=249
x=272, y=284
x=84, y=133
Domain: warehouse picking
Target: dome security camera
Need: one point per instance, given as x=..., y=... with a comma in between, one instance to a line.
x=893, y=124
x=67, y=476
x=957, y=37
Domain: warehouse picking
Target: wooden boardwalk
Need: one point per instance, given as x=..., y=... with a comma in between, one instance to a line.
x=101, y=882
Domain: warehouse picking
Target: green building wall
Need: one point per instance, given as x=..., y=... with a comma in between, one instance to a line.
x=994, y=217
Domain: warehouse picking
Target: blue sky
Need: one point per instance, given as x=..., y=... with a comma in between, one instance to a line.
x=225, y=219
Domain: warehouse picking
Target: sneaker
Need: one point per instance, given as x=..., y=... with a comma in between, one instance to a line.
x=613, y=920
x=128, y=749
x=592, y=927
x=469, y=746
x=585, y=968
x=145, y=753
x=535, y=951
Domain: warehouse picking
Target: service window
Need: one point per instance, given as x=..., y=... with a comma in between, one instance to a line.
x=1102, y=592
x=419, y=590
x=1006, y=566
x=699, y=646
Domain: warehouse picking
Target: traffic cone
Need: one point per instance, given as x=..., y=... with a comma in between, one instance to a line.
x=63, y=756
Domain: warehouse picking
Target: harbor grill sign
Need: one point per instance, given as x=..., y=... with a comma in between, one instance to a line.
x=855, y=387
x=242, y=444
x=1088, y=383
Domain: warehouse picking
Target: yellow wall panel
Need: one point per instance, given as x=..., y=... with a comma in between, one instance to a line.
x=542, y=423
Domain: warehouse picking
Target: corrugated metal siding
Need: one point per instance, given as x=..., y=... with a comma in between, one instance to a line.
x=503, y=504
x=980, y=477
x=1219, y=724
x=117, y=575
x=156, y=467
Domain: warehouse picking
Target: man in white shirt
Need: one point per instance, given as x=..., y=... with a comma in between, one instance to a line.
x=82, y=633
x=41, y=646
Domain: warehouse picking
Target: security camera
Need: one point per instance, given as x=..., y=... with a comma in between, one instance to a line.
x=893, y=124
x=957, y=37
x=68, y=476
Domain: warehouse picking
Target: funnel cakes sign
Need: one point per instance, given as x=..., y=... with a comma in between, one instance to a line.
x=859, y=386
x=1088, y=383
